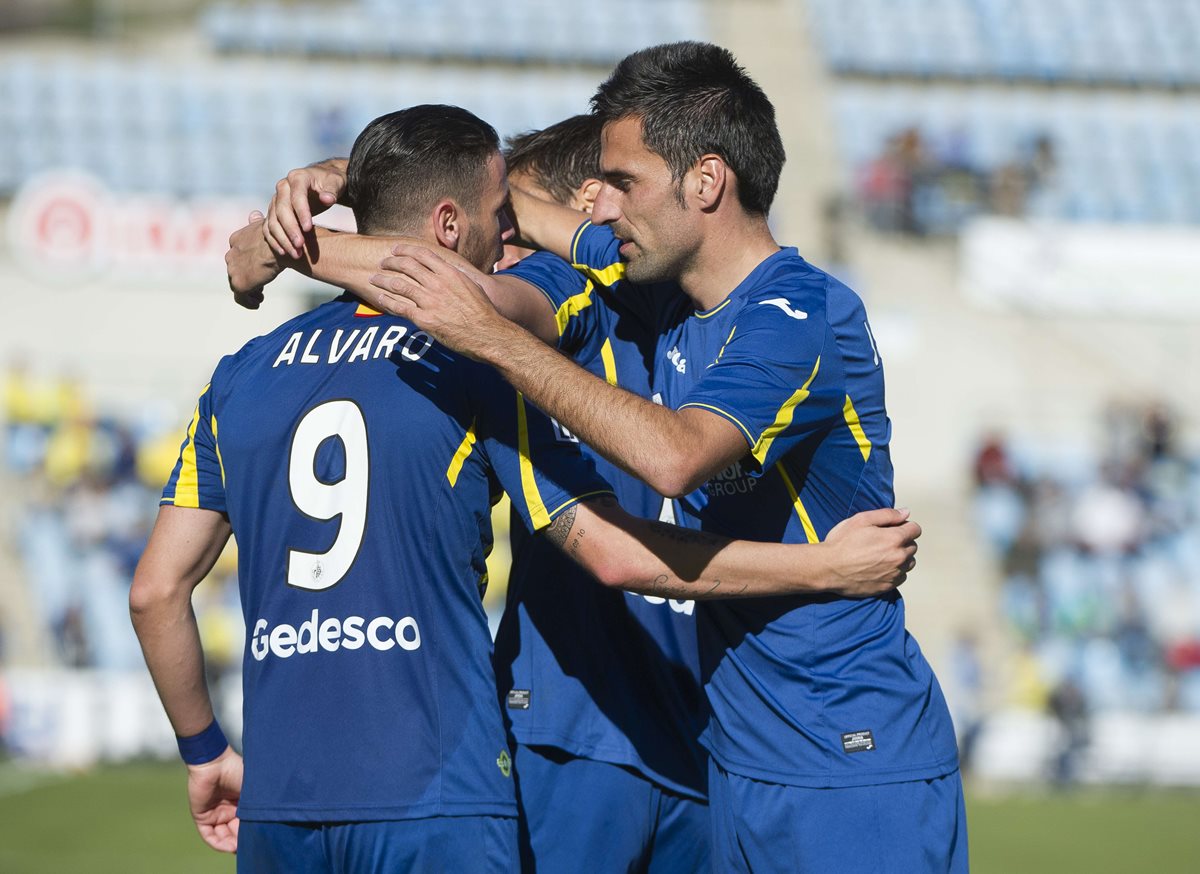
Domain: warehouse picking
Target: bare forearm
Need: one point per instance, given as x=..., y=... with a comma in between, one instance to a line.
x=653, y=558
x=544, y=224
x=345, y=260
x=183, y=548
x=637, y=435
x=170, y=642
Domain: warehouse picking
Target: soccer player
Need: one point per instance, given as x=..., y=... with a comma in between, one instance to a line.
x=831, y=744
x=601, y=689
x=355, y=460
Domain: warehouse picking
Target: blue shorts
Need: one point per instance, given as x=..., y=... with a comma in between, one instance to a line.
x=439, y=843
x=917, y=827
x=583, y=815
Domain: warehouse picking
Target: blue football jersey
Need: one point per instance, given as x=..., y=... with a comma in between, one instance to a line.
x=812, y=691
x=604, y=675
x=358, y=461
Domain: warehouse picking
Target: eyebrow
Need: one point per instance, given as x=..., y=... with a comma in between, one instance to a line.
x=611, y=176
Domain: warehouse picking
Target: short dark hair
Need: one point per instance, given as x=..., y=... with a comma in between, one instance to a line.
x=694, y=98
x=404, y=162
x=561, y=157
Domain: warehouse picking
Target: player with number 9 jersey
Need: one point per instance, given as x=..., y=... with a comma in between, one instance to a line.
x=357, y=462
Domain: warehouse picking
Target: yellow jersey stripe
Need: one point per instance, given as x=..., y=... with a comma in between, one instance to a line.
x=217, y=446
x=533, y=498
x=723, y=345
x=784, y=417
x=575, y=240
x=809, y=531
x=607, y=276
x=554, y=513
x=187, y=484
x=719, y=411
x=610, y=364
x=860, y=437
x=714, y=311
x=461, y=455
x=572, y=306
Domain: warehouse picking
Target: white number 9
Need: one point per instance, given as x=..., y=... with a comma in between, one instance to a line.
x=346, y=498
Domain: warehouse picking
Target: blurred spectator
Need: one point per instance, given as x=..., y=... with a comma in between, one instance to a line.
x=965, y=695
x=883, y=188
x=1108, y=515
x=1069, y=707
x=71, y=638
x=993, y=465
x=84, y=511
x=917, y=186
x=1008, y=187
x=1042, y=166
x=5, y=715
x=1099, y=569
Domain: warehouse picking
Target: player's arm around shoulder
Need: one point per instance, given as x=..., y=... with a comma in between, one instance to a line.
x=867, y=555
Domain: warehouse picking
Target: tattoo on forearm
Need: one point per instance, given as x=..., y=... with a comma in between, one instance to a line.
x=664, y=586
x=561, y=526
x=563, y=533
x=688, y=535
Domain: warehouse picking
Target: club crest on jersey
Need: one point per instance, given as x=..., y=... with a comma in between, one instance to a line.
x=504, y=763
x=561, y=434
x=677, y=359
x=786, y=307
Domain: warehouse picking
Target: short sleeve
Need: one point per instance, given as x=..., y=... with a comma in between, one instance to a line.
x=596, y=252
x=779, y=378
x=536, y=461
x=198, y=479
x=571, y=295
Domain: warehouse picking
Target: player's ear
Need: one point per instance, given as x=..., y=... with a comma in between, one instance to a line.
x=448, y=224
x=585, y=195
x=710, y=176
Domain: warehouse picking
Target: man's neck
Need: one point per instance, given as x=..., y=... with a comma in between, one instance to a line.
x=726, y=257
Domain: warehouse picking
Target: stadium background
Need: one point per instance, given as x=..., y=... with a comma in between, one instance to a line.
x=1013, y=186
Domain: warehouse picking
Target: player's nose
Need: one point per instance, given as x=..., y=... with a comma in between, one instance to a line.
x=604, y=210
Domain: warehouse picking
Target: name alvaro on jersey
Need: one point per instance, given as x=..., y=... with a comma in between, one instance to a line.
x=372, y=344
x=315, y=634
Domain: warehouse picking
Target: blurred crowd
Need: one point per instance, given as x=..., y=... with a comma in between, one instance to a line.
x=86, y=486
x=921, y=185
x=1100, y=568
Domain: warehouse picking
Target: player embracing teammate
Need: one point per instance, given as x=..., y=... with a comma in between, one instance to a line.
x=830, y=745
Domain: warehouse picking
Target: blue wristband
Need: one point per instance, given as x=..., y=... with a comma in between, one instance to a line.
x=203, y=747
